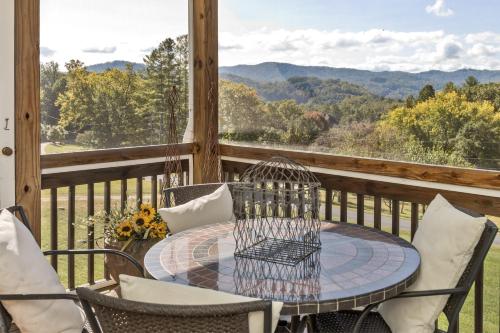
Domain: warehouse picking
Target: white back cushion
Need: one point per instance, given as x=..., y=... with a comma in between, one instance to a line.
x=24, y=270
x=159, y=292
x=212, y=208
x=445, y=238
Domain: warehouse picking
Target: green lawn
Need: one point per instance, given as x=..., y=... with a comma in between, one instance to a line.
x=492, y=264
x=51, y=148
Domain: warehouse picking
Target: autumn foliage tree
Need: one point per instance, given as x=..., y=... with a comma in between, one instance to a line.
x=451, y=124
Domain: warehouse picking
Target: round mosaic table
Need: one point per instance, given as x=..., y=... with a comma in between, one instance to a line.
x=355, y=266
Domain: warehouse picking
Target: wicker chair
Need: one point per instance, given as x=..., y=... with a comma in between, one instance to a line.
x=112, y=315
x=369, y=321
x=180, y=195
x=6, y=320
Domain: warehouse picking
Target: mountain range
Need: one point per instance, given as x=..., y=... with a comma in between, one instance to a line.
x=392, y=84
x=118, y=64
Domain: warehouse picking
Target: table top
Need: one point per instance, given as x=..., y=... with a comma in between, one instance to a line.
x=355, y=266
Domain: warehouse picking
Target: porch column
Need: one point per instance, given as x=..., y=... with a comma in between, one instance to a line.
x=27, y=109
x=205, y=76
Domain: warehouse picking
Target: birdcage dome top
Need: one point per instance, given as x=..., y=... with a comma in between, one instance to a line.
x=281, y=169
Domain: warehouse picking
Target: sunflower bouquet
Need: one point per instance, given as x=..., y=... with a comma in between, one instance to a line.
x=143, y=223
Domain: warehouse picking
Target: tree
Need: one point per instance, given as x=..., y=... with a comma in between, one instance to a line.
x=167, y=66
x=450, y=87
x=107, y=109
x=426, y=93
x=240, y=111
x=410, y=101
x=471, y=81
x=449, y=123
x=52, y=84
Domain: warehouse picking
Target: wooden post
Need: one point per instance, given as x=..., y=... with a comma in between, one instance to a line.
x=205, y=77
x=27, y=109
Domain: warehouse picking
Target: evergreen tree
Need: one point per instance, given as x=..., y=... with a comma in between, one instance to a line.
x=471, y=81
x=52, y=83
x=426, y=93
x=410, y=101
x=167, y=66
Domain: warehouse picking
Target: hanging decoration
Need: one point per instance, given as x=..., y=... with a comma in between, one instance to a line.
x=173, y=175
x=212, y=168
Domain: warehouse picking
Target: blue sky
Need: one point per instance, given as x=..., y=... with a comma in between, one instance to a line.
x=357, y=15
x=408, y=35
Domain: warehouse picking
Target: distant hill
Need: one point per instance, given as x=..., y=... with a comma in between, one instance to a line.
x=304, y=89
x=118, y=64
x=387, y=84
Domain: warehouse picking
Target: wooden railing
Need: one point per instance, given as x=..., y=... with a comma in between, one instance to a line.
x=77, y=175
x=398, y=186
x=382, y=194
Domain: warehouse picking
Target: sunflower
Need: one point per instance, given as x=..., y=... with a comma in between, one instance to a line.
x=159, y=230
x=140, y=221
x=124, y=229
x=147, y=210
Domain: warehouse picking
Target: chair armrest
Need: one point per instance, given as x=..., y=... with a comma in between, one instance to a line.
x=423, y=293
x=125, y=255
x=37, y=297
x=364, y=313
x=435, y=292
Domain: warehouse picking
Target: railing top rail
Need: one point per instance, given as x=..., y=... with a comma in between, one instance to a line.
x=422, y=194
x=109, y=155
x=488, y=179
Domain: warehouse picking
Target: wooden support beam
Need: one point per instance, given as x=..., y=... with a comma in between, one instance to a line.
x=27, y=109
x=204, y=34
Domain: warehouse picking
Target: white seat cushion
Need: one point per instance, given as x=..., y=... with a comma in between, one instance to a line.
x=24, y=270
x=445, y=238
x=212, y=208
x=159, y=292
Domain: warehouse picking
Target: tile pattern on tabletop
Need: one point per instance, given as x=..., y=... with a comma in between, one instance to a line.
x=355, y=266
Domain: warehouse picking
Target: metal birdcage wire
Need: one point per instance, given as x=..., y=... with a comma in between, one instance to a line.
x=277, y=209
x=270, y=280
x=212, y=167
x=173, y=175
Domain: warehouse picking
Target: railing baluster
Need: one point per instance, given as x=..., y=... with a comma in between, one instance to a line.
x=377, y=212
x=343, y=206
x=107, y=209
x=90, y=234
x=154, y=191
x=301, y=198
x=53, y=225
x=414, y=218
x=478, y=301
x=123, y=195
x=328, y=204
x=107, y=197
x=138, y=191
x=288, y=207
x=360, y=208
x=395, y=217
x=71, y=236
x=276, y=209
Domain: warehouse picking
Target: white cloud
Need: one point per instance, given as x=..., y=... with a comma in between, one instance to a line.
x=439, y=9
x=46, y=52
x=106, y=49
x=373, y=49
x=449, y=49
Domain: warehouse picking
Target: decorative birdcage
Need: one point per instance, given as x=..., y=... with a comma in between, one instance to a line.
x=277, y=212
x=270, y=280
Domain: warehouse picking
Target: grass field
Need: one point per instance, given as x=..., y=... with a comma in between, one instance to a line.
x=51, y=148
x=491, y=273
